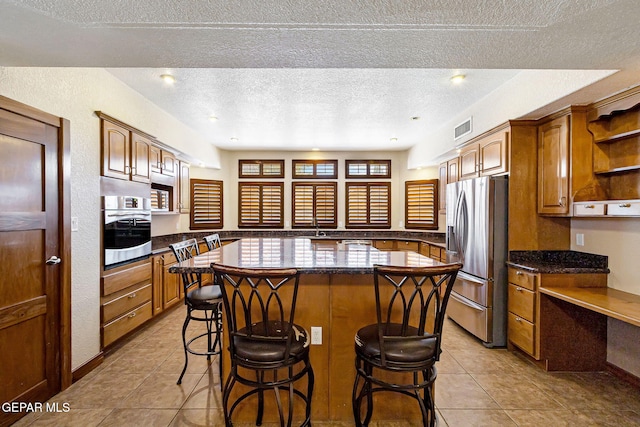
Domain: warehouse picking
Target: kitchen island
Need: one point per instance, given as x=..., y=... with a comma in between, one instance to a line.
x=336, y=293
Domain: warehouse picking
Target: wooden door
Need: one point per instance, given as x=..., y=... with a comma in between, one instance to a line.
x=116, y=151
x=172, y=283
x=33, y=321
x=442, y=187
x=553, y=167
x=140, y=154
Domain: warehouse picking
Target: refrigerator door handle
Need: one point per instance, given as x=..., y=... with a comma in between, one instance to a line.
x=466, y=302
x=461, y=231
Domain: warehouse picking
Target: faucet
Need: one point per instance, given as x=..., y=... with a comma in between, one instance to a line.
x=318, y=232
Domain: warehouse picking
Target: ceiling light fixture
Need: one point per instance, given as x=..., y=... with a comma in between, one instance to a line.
x=213, y=118
x=458, y=78
x=394, y=140
x=234, y=139
x=415, y=118
x=315, y=149
x=168, y=78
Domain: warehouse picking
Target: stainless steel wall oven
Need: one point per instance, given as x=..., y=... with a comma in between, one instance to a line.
x=126, y=229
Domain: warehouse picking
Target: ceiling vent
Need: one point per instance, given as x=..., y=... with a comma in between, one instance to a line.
x=462, y=129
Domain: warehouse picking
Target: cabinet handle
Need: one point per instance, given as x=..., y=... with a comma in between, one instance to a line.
x=624, y=205
x=133, y=170
x=133, y=295
x=561, y=202
x=519, y=289
x=518, y=273
x=518, y=319
x=127, y=169
x=589, y=207
x=132, y=315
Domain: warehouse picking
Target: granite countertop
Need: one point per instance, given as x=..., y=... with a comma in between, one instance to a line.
x=303, y=254
x=161, y=244
x=569, y=262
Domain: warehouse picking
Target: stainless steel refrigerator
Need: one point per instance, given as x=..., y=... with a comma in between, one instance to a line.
x=477, y=213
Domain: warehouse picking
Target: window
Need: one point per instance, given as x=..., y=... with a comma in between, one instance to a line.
x=261, y=169
x=368, y=168
x=310, y=169
x=368, y=205
x=421, y=208
x=314, y=203
x=206, y=204
x=260, y=204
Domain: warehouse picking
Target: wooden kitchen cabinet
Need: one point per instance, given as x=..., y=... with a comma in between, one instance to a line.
x=157, y=282
x=171, y=282
x=523, y=311
x=448, y=173
x=485, y=155
x=561, y=336
x=126, y=300
x=553, y=166
x=163, y=165
x=125, y=153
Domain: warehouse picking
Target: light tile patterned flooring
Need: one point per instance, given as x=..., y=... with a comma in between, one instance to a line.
x=476, y=386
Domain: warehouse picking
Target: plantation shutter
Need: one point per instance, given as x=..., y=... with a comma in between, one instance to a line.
x=421, y=210
x=206, y=204
x=314, y=201
x=260, y=204
x=369, y=205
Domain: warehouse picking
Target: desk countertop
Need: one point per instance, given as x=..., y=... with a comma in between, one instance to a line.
x=559, y=262
x=301, y=253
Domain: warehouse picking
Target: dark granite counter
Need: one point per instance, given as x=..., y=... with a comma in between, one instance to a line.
x=558, y=262
x=309, y=257
x=161, y=243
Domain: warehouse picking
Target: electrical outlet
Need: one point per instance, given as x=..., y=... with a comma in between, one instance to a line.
x=579, y=239
x=316, y=335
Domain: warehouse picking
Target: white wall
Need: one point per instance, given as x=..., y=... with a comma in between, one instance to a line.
x=75, y=93
x=169, y=224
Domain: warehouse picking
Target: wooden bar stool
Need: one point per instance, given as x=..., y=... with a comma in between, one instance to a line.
x=410, y=308
x=268, y=350
x=204, y=304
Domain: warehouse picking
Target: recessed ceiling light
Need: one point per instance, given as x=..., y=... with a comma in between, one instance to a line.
x=394, y=140
x=415, y=118
x=458, y=78
x=315, y=149
x=168, y=78
x=234, y=139
x=213, y=118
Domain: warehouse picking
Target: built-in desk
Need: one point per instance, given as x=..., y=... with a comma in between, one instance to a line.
x=620, y=305
x=335, y=293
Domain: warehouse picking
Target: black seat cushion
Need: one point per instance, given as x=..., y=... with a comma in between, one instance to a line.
x=205, y=296
x=410, y=350
x=259, y=349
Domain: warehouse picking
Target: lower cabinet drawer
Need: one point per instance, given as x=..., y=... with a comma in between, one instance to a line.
x=623, y=208
x=436, y=253
x=522, y=302
x=125, y=323
x=384, y=244
x=522, y=333
x=405, y=245
x=126, y=302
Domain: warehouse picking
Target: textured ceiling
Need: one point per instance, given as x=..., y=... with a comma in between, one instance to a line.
x=338, y=74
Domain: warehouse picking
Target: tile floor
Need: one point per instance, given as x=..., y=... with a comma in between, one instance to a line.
x=476, y=386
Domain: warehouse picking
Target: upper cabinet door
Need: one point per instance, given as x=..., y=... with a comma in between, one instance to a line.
x=553, y=167
x=468, y=162
x=140, y=154
x=116, y=146
x=169, y=164
x=493, y=154
x=155, y=159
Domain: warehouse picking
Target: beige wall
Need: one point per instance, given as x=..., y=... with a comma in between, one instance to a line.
x=75, y=94
x=169, y=224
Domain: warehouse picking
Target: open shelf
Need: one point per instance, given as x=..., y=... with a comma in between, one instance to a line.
x=617, y=170
x=617, y=137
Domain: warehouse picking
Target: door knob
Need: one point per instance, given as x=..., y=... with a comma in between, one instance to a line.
x=53, y=260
